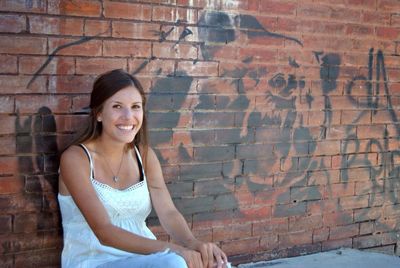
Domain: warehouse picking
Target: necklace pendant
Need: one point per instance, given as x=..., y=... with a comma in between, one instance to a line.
x=115, y=178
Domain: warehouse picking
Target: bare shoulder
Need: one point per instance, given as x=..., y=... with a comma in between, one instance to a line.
x=74, y=164
x=73, y=154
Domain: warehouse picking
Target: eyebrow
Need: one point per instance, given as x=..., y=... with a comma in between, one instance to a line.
x=136, y=102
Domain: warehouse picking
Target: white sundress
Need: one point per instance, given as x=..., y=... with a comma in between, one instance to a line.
x=127, y=209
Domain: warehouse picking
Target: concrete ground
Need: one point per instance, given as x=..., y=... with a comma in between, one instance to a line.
x=349, y=258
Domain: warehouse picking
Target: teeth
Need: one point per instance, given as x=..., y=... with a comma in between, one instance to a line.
x=125, y=127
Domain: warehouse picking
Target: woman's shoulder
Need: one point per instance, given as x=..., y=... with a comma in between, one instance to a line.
x=74, y=153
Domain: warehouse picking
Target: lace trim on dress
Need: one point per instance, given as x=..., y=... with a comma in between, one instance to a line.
x=108, y=187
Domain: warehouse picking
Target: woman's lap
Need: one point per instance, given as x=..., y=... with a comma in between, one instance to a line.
x=165, y=259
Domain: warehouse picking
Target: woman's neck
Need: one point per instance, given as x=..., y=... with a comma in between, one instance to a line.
x=109, y=148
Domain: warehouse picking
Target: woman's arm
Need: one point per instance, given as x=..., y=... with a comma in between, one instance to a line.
x=173, y=221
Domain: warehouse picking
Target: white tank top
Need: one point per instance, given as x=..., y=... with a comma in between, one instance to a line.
x=127, y=209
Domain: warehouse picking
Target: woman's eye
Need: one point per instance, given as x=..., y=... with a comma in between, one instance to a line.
x=136, y=107
x=117, y=106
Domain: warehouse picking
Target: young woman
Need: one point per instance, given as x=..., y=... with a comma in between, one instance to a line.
x=109, y=181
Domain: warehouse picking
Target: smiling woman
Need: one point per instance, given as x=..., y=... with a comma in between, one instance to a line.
x=109, y=180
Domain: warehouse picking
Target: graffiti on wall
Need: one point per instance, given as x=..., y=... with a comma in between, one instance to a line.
x=291, y=144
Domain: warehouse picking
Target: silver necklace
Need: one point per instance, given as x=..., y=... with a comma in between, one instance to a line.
x=115, y=176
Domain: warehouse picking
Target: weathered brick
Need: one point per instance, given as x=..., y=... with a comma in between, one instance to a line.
x=75, y=47
x=174, y=51
x=297, y=209
x=98, y=65
x=57, y=65
x=342, y=232
x=297, y=238
x=71, y=8
x=127, y=11
x=172, y=14
x=12, y=23
x=55, y=26
x=23, y=45
x=23, y=6
x=97, y=28
x=113, y=48
x=217, y=153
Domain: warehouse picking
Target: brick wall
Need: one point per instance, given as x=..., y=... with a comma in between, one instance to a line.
x=276, y=122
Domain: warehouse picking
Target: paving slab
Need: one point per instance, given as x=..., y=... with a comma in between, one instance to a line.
x=344, y=257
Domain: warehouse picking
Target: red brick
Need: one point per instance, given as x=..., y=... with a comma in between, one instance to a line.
x=127, y=11
x=200, y=68
x=88, y=48
x=152, y=67
x=355, y=174
x=7, y=123
x=295, y=239
x=388, y=5
x=39, y=258
x=337, y=218
x=278, y=7
x=327, y=148
x=126, y=48
x=22, y=6
x=73, y=8
x=6, y=104
x=23, y=45
x=364, y=4
x=375, y=17
x=323, y=177
x=305, y=223
x=97, y=27
x=31, y=104
x=320, y=234
x=12, y=84
x=258, y=54
x=12, y=23
x=6, y=224
x=57, y=65
x=198, y=3
x=8, y=64
x=352, y=202
x=387, y=33
x=231, y=232
x=335, y=244
x=366, y=228
x=173, y=14
x=339, y=190
x=235, y=247
x=269, y=242
x=134, y=30
x=313, y=26
x=99, y=65
x=52, y=25
x=345, y=14
x=179, y=51
x=71, y=84
x=367, y=187
x=11, y=185
x=342, y=232
x=313, y=10
x=359, y=30
x=274, y=225
x=371, y=131
x=366, y=214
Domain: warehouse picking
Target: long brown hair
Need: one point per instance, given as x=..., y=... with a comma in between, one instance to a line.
x=105, y=86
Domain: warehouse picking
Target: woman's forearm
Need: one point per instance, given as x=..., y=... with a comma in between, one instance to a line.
x=176, y=226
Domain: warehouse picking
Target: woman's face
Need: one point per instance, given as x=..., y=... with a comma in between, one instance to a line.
x=122, y=115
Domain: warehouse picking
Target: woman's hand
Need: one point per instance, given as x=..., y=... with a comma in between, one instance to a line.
x=211, y=255
x=191, y=257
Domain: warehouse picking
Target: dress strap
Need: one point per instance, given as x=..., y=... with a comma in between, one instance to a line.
x=140, y=163
x=90, y=159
